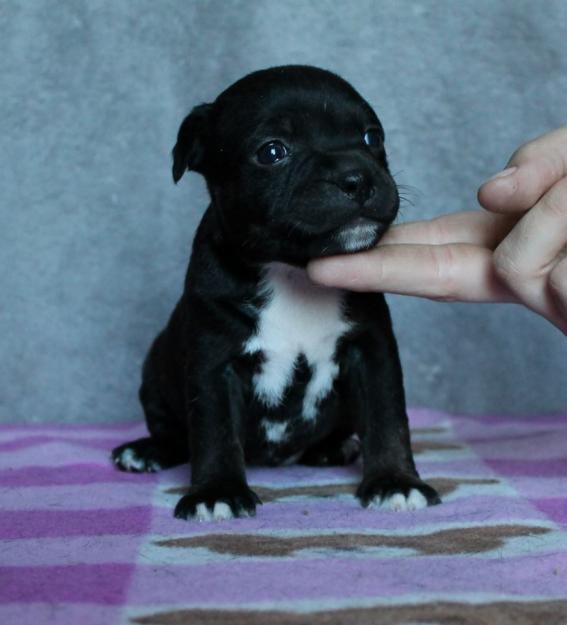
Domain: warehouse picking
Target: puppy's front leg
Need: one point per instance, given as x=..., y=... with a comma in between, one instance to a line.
x=372, y=382
x=216, y=430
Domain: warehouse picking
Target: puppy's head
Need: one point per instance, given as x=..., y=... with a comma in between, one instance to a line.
x=294, y=160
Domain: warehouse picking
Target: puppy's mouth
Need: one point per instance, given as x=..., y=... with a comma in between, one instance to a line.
x=360, y=234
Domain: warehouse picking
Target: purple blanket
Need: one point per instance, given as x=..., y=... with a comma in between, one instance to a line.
x=82, y=543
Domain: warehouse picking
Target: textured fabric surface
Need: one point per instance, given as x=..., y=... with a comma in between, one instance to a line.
x=81, y=542
x=95, y=237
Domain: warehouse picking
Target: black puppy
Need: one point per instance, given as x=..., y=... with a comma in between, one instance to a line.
x=257, y=364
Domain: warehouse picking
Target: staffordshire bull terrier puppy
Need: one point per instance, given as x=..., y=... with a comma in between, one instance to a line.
x=257, y=364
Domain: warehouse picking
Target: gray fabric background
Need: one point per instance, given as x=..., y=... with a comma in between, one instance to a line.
x=95, y=237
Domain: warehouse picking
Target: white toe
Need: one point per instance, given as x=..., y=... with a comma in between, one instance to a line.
x=202, y=513
x=396, y=502
x=399, y=502
x=129, y=460
x=222, y=511
x=153, y=466
x=416, y=501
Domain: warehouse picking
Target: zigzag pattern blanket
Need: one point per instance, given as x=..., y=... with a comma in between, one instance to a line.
x=83, y=543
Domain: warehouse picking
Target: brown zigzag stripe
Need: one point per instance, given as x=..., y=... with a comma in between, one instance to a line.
x=462, y=540
x=420, y=447
x=442, y=613
x=444, y=485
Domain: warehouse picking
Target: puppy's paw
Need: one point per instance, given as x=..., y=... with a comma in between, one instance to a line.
x=150, y=455
x=332, y=453
x=396, y=492
x=138, y=456
x=217, y=502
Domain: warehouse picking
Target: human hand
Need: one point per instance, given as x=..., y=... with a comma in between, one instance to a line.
x=532, y=258
x=517, y=255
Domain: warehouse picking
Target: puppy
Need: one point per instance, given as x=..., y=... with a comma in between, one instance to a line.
x=257, y=364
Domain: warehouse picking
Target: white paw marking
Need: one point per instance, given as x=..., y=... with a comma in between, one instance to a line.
x=132, y=462
x=416, y=501
x=299, y=317
x=202, y=513
x=221, y=512
x=153, y=466
x=399, y=502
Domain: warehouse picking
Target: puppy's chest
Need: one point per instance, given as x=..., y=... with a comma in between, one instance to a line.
x=298, y=323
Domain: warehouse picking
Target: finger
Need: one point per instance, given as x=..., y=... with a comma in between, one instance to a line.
x=524, y=260
x=452, y=272
x=475, y=227
x=558, y=288
x=532, y=170
x=536, y=241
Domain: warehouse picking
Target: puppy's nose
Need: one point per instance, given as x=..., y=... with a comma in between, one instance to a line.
x=356, y=184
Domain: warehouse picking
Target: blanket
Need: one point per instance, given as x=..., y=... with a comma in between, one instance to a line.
x=81, y=542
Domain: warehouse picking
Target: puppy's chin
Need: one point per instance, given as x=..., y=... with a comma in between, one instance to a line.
x=357, y=235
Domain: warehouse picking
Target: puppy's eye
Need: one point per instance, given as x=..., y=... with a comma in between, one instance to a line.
x=271, y=153
x=373, y=138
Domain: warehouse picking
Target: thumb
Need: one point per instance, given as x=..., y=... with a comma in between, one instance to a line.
x=533, y=169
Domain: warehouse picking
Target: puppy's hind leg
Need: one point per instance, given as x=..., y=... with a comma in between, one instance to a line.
x=338, y=449
x=149, y=455
x=166, y=447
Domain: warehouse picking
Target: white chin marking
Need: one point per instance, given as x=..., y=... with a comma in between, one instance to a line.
x=399, y=502
x=357, y=236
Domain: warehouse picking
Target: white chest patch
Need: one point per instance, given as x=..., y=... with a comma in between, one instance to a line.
x=299, y=317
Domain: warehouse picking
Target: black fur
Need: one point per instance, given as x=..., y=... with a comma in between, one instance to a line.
x=197, y=388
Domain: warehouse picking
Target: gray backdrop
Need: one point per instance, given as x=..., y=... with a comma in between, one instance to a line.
x=95, y=237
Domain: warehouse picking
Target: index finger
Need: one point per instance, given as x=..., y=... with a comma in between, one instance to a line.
x=451, y=272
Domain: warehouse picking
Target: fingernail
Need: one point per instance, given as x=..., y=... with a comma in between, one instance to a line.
x=502, y=174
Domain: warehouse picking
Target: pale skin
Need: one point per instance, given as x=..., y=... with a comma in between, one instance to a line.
x=514, y=251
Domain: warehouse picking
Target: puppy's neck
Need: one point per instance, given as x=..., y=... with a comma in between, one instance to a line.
x=294, y=279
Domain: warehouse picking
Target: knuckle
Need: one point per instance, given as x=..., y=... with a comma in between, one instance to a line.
x=438, y=231
x=526, y=152
x=506, y=268
x=558, y=279
x=443, y=261
x=555, y=202
x=548, y=152
x=379, y=269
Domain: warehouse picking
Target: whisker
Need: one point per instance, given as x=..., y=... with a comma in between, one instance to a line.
x=403, y=198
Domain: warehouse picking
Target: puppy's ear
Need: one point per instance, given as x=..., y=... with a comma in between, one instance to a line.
x=189, y=150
